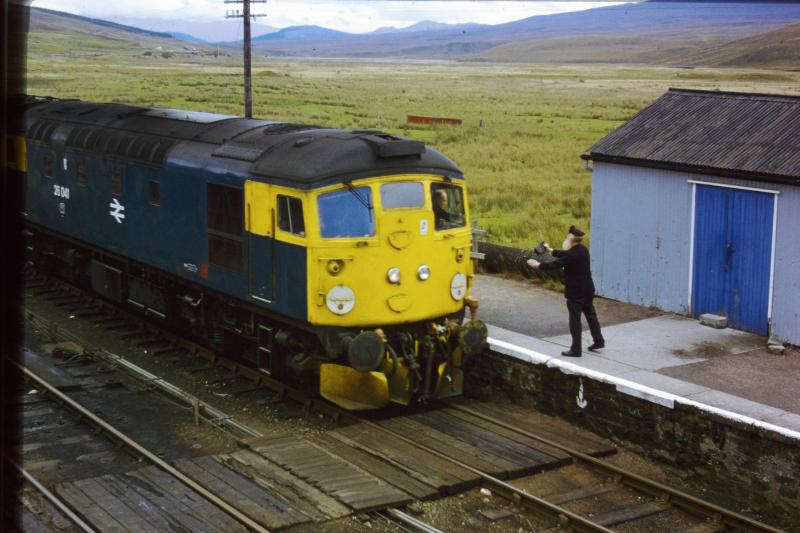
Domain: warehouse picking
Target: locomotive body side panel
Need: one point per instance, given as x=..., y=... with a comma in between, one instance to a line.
x=278, y=247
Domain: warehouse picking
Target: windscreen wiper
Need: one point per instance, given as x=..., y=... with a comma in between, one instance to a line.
x=361, y=200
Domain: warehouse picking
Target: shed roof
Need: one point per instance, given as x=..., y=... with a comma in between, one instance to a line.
x=745, y=135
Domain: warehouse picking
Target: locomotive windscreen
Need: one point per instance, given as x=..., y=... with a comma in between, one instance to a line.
x=346, y=213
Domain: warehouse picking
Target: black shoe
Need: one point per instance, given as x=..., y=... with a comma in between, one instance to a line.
x=570, y=353
x=597, y=346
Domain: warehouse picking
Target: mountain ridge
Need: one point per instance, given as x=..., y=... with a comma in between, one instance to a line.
x=428, y=25
x=766, y=35
x=103, y=22
x=224, y=30
x=678, y=20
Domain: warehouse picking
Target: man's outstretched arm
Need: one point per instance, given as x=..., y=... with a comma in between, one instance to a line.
x=561, y=262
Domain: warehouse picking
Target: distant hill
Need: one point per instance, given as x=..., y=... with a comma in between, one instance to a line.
x=430, y=25
x=186, y=37
x=771, y=49
x=302, y=33
x=55, y=32
x=774, y=49
x=222, y=30
x=50, y=19
x=674, y=33
x=684, y=26
x=602, y=49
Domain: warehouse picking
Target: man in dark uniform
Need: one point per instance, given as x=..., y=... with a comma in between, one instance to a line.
x=578, y=289
x=441, y=215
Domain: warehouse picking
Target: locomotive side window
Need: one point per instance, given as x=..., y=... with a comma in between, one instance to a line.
x=290, y=215
x=81, y=173
x=402, y=194
x=155, y=193
x=225, y=226
x=346, y=213
x=116, y=183
x=47, y=167
x=448, y=206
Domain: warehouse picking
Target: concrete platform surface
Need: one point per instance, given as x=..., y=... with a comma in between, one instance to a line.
x=723, y=368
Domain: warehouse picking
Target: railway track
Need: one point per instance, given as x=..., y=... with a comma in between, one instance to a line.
x=568, y=508
x=129, y=444
x=65, y=501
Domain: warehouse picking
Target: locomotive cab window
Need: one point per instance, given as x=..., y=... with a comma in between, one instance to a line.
x=290, y=215
x=448, y=206
x=225, y=226
x=402, y=194
x=116, y=183
x=155, y=193
x=346, y=213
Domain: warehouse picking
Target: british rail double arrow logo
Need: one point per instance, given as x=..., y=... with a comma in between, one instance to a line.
x=117, y=210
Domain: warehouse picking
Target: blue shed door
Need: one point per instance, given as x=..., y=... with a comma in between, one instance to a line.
x=733, y=256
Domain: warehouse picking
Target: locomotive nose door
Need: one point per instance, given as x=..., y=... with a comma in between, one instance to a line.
x=260, y=225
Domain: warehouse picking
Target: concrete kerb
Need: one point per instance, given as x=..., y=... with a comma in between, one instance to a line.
x=634, y=389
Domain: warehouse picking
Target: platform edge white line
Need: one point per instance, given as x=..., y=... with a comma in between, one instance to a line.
x=632, y=388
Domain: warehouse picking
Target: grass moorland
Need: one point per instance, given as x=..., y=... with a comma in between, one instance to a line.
x=525, y=177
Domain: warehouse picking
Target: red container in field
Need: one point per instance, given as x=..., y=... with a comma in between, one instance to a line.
x=419, y=119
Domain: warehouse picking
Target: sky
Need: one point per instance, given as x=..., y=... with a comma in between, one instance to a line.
x=355, y=16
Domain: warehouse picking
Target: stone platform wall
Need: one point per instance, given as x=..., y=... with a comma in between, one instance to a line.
x=744, y=467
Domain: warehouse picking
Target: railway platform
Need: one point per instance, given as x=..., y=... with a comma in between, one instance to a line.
x=660, y=357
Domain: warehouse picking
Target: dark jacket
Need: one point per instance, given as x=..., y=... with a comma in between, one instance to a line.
x=441, y=217
x=577, y=272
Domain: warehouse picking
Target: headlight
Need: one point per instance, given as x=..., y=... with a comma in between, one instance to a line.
x=393, y=275
x=458, y=286
x=340, y=300
x=424, y=272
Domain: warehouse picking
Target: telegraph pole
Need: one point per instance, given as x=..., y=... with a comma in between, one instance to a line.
x=246, y=15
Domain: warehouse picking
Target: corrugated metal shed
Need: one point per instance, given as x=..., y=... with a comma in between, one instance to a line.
x=739, y=135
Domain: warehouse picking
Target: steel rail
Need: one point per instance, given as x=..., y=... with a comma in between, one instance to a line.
x=208, y=413
x=410, y=521
x=678, y=498
x=565, y=517
x=52, y=498
x=142, y=451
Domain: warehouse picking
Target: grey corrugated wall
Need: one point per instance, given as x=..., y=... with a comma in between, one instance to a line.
x=640, y=229
x=640, y=233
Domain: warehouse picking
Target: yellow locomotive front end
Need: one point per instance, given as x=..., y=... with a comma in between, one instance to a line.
x=389, y=280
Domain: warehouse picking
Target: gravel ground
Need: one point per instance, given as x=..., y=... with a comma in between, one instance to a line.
x=756, y=375
x=522, y=305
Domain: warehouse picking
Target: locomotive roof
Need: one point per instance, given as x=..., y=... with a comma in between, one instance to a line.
x=298, y=155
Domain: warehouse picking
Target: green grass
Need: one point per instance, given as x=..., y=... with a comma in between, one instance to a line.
x=523, y=169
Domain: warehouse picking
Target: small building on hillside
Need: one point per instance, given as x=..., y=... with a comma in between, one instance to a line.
x=696, y=209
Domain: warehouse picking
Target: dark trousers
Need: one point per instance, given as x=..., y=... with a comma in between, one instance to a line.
x=576, y=306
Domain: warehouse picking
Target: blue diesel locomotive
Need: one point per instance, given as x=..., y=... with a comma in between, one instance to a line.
x=305, y=251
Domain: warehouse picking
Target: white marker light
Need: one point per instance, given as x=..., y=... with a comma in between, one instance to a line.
x=424, y=272
x=393, y=275
x=340, y=300
x=458, y=286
